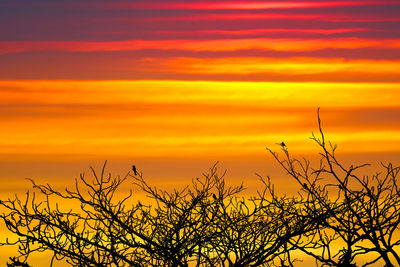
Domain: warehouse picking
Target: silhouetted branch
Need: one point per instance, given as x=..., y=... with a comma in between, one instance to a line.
x=338, y=217
x=360, y=213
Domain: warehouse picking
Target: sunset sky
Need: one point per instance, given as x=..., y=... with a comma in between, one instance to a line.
x=174, y=86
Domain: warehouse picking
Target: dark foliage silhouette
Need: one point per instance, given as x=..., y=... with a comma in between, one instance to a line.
x=339, y=217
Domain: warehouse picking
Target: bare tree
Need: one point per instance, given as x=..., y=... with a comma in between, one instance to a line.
x=359, y=213
x=184, y=223
x=205, y=224
x=102, y=233
x=338, y=217
x=252, y=232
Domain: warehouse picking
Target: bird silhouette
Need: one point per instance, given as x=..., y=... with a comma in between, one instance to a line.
x=281, y=144
x=134, y=169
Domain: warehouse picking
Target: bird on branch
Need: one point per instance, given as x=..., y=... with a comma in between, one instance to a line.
x=134, y=169
x=281, y=144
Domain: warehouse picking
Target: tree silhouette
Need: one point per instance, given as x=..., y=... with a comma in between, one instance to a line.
x=358, y=212
x=339, y=217
x=206, y=224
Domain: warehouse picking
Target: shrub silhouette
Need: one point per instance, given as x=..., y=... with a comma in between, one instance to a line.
x=211, y=224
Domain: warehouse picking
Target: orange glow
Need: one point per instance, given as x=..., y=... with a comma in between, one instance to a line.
x=175, y=86
x=293, y=65
x=202, y=92
x=172, y=118
x=275, y=44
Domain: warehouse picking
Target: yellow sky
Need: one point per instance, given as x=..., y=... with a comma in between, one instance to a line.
x=175, y=118
x=80, y=123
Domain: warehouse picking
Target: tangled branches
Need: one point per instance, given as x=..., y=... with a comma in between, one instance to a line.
x=338, y=217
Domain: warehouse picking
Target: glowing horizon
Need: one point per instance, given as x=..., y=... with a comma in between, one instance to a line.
x=199, y=78
x=185, y=84
x=175, y=86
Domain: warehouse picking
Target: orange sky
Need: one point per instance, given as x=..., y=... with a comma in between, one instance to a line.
x=133, y=81
x=175, y=86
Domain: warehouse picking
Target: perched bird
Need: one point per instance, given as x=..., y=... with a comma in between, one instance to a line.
x=281, y=144
x=134, y=169
x=214, y=196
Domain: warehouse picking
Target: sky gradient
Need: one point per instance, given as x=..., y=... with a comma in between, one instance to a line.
x=174, y=86
x=85, y=81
